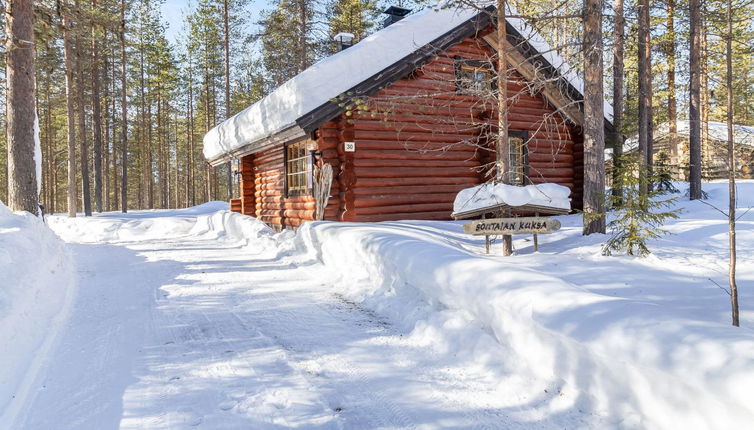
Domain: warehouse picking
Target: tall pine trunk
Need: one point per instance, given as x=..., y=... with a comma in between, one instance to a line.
x=645, y=96
x=695, y=131
x=81, y=115
x=618, y=85
x=70, y=112
x=96, y=118
x=594, y=120
x=123, y=110
x=502, y=150
x=226, y=51
x=731, y=167
x=20, y=108
x=190, y=170
x=672, y=105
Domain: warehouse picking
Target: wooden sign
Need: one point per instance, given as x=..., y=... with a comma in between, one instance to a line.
x=505, y=226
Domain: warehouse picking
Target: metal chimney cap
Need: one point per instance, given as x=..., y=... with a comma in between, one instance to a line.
x=397, y=11
x=344, y=37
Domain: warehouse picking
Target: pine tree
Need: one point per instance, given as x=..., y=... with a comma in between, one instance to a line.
x=639, y=216
x=288, y=45
x=357, y=17
x=23, y=192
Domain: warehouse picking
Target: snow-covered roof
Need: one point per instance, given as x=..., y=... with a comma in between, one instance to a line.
x=742, y=134
x=488, y=195
x=279, y=112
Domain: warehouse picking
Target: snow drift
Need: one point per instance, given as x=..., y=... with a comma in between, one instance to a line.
x=639, y=361
x=36, y=289
x=644, y=365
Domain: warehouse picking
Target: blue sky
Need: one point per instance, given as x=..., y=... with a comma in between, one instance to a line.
x=173, y=11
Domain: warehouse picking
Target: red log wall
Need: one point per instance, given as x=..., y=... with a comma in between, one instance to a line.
x=418, y=145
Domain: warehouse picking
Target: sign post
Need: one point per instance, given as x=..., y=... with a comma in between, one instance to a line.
x=510, y=226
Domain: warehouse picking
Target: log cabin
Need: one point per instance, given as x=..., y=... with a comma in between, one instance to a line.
x=406, y=118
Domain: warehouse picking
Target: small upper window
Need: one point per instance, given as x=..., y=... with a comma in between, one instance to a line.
x=298, y=167
x=474, y=77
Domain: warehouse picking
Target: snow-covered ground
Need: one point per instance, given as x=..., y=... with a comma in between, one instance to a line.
x=205, y=318
x=36, y=291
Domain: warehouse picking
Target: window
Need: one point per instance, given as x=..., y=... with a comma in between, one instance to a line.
x=474, y=77
x=519, y=157
x=298, y=168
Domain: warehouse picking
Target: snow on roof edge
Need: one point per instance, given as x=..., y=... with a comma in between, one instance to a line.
x=323, y=81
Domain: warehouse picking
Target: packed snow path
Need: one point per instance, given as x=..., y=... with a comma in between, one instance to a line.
x=196, y=331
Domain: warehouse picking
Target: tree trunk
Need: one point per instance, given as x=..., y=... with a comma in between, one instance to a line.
x=594, y=120
x=502, y=151
x=695, y=141
x=706, y=151
x=618, y=80
x=70, y=112
x=123, y=110
x=23, y=192
x=731, y=168
x=302, y=30
x=226, y=48
x=96, y=118
x=672, y=105
x=645, y=96
x=106, y=147
x=190, y=182
x=81, y=115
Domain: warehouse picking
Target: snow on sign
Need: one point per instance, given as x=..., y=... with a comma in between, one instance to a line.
x=506, y=226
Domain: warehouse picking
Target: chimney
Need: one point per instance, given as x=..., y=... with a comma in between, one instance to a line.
x=394, y=14
x=344, y=40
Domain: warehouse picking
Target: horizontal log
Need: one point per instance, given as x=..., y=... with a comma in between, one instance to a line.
x=549, y=165
x=449, y=126
x=424, y=181
x=566, y=182
x=407, y=154
x=413, y=136
x=402, y=199
x=408, y=189
x=563, y=160
x=404, y=209
x=285, y=205
x=435, y=215
x=405, y=172
x=419, y=147
x=562, y=172
x=415, y=163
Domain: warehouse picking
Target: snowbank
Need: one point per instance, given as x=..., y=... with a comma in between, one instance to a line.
x=488, y=194
x=644, y=364
x=36, y=289
x=649, y=366
x=565, y=329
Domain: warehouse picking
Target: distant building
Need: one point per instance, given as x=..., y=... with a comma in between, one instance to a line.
x=714, y=150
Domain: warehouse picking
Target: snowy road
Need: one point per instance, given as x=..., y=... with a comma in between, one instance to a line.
x=196, y=332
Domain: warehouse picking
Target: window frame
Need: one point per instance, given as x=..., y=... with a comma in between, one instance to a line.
x=464, y=63
x=523, y=135
x=308, y=173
